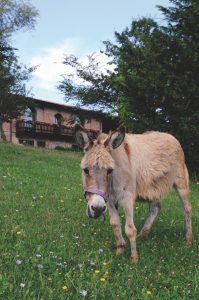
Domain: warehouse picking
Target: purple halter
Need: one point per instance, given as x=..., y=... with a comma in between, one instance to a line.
x=100, y=193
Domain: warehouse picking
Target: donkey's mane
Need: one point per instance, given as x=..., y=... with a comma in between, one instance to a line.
x=98, y=155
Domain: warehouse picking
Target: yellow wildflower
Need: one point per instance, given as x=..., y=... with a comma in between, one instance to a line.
x=106, y=273
x=104, y=263
x=18, y=233
x=102, y=279
x=41, y=196
x=148, y=293
x=97, y=271
x=65, y=288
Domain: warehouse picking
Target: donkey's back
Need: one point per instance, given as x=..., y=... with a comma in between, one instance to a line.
x=156, y=163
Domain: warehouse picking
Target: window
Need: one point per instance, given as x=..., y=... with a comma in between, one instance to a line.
x=26, y=142
x=77, y=120
x=41, y=144
x=29, y=114
x=57, y=119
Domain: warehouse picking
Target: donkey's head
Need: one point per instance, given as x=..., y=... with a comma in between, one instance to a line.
x=98, y=167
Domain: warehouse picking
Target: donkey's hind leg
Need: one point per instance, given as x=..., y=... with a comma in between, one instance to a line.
x=154, y=208
x=182, y=187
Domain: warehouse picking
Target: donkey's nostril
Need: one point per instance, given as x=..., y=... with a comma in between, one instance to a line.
x=92, y=207
x=104, y=208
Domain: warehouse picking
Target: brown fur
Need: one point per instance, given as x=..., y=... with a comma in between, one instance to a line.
x=97, y=156
x=155, y=158
x=127, y=150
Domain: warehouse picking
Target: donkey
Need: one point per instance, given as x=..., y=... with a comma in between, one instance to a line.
x=119, y=168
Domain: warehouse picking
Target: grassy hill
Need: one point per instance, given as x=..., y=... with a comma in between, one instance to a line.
x=49, y=249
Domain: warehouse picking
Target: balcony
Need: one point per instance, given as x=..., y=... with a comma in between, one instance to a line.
x=47, y=131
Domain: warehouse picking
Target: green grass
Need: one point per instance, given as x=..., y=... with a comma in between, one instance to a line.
x=43, y=225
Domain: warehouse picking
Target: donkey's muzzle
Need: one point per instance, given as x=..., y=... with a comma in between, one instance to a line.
x=95, y=212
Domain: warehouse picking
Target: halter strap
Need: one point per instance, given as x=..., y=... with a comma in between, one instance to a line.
x=100, y=193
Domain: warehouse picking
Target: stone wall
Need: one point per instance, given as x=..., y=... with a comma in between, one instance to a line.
x=10, y=132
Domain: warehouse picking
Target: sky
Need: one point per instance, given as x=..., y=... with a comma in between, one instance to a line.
x=76, y=27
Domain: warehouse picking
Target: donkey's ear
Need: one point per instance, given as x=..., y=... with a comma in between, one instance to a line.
x=82, y=138
x=116, y=137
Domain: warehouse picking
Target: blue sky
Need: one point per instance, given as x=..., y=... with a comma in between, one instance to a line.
x=74, y=27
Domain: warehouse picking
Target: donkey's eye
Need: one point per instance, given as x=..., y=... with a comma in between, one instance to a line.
x=109, y=171
x=86, y=171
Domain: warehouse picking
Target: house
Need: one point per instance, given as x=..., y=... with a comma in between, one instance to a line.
x=51, y=125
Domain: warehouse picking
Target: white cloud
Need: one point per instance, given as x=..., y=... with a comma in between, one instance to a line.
x=51, y=67
x=101, y=59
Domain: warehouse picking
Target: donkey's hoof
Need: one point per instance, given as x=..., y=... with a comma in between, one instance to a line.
x=120, y=249
x=189, y=239
x=134, y=256
x=144, y=233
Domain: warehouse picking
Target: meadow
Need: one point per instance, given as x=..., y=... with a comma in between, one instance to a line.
x=49, y=249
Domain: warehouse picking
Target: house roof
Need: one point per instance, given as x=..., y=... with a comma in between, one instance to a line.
x=75, y=109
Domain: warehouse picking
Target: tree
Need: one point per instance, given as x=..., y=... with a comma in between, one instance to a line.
x=94, y=86
x=14, y=15
x=12, y=86
x=154, y=85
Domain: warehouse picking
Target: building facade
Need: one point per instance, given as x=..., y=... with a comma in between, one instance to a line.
x=51, y=125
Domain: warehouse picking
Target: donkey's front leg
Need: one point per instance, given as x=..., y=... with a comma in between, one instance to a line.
x=116, y=225
x=130, y=230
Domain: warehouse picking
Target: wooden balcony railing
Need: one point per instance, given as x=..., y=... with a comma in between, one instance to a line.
x=46, y=130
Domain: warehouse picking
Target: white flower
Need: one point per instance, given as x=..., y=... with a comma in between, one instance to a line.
x=22, y=285
x=60, y=265
x=83, y=293
x=92, y=263
x=40, y=266
x=76, y=237
x=101, y=250
x=18, y=262
x=38, y=255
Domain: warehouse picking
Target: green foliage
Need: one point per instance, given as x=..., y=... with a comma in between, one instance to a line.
x=14, y=15
x=94, y=87
x=62, y=252
x=154, y=83
x=12, y=84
